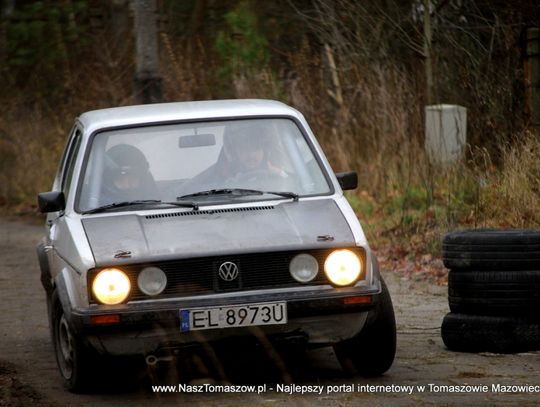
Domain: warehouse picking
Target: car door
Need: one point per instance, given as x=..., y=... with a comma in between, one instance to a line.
x=63, y=183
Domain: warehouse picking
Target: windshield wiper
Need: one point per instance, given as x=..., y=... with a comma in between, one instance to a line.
x=239, y=192
x=140, y=202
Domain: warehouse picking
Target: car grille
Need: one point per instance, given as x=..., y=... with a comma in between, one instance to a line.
x=198, y=276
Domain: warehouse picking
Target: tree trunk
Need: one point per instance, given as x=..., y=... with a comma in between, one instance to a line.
x=197, y=17
x=120, y=23
x=147, y=88
x=533, y=77
x=5, y=13
x=428, y=61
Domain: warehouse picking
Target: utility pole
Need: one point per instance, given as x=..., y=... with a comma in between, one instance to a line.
x=147, y=86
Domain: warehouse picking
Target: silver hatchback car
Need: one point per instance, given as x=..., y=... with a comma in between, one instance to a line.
x=174, y=224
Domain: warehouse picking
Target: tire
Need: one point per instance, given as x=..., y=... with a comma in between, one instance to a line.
x=371, y=352
x=492, y=249
x=475, y=333
x=500, y=293
x=76, y=362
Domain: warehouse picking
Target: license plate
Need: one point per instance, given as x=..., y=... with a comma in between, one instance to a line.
x=269, y=313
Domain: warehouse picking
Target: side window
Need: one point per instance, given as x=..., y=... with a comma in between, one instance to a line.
x=69, y=166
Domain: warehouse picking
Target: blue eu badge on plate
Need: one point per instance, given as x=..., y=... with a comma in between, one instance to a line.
x=184, y=320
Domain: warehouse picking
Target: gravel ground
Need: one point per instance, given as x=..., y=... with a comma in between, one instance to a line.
x=28, y=372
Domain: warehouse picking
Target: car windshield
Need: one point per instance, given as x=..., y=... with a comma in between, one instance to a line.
x=197, y=161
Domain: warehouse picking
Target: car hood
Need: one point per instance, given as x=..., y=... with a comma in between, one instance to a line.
x=133, y=238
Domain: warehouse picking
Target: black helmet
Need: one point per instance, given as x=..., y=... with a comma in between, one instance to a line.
x=125, y=159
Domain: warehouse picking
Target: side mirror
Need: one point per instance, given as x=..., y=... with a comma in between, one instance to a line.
x=53, y=201
x=347, y=180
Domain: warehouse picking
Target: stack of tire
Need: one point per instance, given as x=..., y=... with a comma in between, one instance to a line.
x=493, y=290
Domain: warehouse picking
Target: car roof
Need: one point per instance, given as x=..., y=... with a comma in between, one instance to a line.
x=177, y=111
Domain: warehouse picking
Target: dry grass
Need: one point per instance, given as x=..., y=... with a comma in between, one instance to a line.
x=30, y=144
x=367, y=116
x=510, y=196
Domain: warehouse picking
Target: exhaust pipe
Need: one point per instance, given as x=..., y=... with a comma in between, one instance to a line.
x=152, y=360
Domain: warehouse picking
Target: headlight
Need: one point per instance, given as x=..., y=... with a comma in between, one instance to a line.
x=111, y=286
x=342, y=267
x=152, y=280
x=304, y=268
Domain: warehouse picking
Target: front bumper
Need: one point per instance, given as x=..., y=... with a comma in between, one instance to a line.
x=320, y=316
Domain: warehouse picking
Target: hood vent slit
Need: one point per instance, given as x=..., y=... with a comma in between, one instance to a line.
x=208, y=212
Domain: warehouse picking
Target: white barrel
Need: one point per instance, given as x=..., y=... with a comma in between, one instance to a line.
x=446, y=133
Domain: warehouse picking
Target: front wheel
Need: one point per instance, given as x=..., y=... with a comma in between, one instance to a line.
x=73, y=358
x=371, y=352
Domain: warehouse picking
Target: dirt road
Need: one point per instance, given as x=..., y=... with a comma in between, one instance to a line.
x=28, y=370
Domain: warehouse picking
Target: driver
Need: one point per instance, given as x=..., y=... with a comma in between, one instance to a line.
x=243, y=162
x=127, y=176
x=247, y=151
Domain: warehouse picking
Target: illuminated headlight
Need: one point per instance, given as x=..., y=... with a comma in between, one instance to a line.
x=111, y=286
x=152, y=281
x=342, y=267
x=304, y=268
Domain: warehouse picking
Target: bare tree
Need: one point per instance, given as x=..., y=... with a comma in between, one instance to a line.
x=427, y=51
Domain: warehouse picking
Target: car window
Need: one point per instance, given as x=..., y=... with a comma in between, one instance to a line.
x=71, y=157
x=62, y=163
x=168, y=161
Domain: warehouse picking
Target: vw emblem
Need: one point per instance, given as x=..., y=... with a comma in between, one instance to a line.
x=228, y=271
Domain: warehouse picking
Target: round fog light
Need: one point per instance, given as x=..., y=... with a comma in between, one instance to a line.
x=304, y=268
x=152, y=281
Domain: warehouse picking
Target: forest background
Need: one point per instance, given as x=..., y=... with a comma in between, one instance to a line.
x=361, y=72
